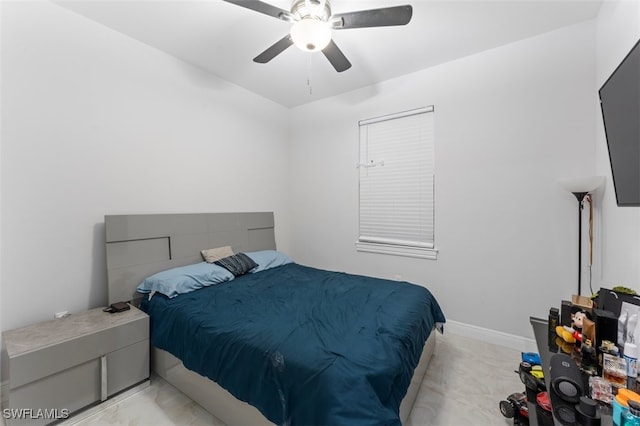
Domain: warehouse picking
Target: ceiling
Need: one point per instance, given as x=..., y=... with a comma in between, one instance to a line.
x=223, y=38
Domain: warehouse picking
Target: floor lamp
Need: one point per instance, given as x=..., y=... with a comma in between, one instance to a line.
x=580, y=187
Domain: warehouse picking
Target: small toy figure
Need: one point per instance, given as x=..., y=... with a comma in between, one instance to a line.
x=589, y=362
x=573, y=334
x=577, y=323
x=567, y=334
x=515, y=407
x=577, y=319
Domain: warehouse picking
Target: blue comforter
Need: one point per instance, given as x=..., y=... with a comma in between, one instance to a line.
x=305, y=346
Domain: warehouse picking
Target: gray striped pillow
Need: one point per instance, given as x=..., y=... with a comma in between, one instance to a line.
x=238, y=264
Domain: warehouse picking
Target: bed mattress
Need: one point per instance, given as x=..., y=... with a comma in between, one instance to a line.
x=303, y=345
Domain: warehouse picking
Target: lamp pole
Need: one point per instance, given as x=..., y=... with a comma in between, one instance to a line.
x=580, y=196
x=580, y=187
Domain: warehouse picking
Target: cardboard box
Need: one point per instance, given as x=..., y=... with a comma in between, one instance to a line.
x=582, y=303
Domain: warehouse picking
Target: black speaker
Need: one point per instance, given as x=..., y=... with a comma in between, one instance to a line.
x=587, y=412
x=566, y=380
x=565, y=414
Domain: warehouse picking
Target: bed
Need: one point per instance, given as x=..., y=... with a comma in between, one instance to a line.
x=300, y=344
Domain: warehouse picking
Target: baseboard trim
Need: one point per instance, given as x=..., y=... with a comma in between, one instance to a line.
x=471, y=331
x=84, y=414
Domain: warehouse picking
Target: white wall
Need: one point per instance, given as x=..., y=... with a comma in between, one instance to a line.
x=96, y=123
x=618, y=29
x=509, y=122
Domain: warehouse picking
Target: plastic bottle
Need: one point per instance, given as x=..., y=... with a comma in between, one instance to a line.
x=631, y=357
x=632, y=418
x=620, y=405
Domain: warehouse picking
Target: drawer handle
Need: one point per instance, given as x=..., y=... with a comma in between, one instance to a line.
x=103, y=378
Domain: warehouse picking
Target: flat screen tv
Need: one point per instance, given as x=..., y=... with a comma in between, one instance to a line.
x=620, y=104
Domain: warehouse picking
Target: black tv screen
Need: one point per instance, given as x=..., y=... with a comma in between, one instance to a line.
x=620, y=104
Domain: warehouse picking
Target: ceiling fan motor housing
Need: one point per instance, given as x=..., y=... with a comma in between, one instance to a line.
x=315, y=9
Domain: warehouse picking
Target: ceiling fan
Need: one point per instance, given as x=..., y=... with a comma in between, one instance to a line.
x=313, y=24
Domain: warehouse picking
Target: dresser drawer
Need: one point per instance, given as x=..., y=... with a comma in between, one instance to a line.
x=52, y=359
x=127, y=366
x=69, y=390
x=62, y=366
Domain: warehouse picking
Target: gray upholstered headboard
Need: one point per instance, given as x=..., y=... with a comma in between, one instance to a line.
x=140, y=245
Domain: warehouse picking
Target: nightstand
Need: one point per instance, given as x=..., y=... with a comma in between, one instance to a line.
x=55, y=368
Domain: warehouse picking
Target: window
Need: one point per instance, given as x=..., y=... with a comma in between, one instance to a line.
x=397, y=184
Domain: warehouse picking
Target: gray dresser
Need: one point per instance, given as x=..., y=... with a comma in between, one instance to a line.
x=54, y=368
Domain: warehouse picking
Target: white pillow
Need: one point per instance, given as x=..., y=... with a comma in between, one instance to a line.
x=211, y=255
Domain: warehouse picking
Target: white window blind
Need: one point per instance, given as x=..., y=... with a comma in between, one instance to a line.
x=397, y=184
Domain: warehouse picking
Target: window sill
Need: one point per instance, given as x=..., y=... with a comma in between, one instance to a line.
x=406, y=251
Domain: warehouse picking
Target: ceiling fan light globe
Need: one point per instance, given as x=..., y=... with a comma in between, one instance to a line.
x=311, y=35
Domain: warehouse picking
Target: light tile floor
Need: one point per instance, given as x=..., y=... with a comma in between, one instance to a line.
x=465, y=382
x=463, y=385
